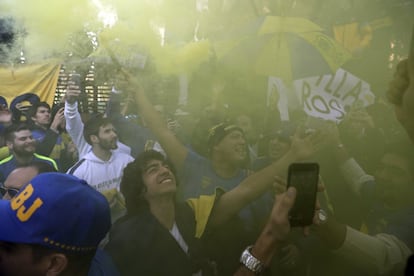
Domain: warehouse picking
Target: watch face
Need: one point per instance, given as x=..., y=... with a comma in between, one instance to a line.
x=322, y=216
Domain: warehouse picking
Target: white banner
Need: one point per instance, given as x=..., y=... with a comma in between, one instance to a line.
x=327, y=96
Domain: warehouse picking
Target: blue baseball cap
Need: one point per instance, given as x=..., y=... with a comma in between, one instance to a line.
x=58, y=211
x=3, y=101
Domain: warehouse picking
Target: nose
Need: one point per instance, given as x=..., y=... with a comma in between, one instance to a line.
x=242, y=140
x=164, y=170
x=30, y=140
x=274, y=141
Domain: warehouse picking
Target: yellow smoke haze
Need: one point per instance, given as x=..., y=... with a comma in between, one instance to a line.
x=51, y=27
x=48, y=24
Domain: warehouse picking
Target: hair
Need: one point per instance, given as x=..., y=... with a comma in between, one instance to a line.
x=77, y=262
x=132, y=184
x=33, y=109
x=12, y=129
x=92, y=126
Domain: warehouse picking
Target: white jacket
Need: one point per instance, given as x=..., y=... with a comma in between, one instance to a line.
x=105, y=177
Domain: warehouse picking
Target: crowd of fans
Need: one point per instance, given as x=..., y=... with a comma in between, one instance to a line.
x=207, y=196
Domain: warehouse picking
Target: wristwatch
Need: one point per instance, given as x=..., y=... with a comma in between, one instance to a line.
x=251, y=262
x=322, y=216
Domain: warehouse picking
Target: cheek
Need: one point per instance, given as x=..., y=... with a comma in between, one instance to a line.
x=12, y=264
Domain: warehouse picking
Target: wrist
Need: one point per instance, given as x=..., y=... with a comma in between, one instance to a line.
x=54, y=129
x=331, y=232
x=266, y=245
x=250, y=261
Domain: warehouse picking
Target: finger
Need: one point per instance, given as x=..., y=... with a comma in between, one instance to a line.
x=286, y=201
x=279, y=179
x=321, y=185
x=279, y=188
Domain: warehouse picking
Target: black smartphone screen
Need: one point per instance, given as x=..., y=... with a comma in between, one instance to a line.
x=76, y=79
x=304, y=177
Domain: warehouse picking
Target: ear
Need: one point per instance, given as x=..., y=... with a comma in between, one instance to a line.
x=57, y=264
x=94, y=139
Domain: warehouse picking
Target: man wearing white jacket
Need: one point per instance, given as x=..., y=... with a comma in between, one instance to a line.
x=101, y=161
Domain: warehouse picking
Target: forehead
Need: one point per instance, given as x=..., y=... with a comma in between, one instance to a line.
x=22, y=133
x=153, y=163
x=19, y=177
x=235, y=133
x=42, y=108
x=106, y=126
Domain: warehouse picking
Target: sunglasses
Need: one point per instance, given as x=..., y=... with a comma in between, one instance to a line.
x=11, y=191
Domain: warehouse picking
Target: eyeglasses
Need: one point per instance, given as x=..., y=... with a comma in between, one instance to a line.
x=11, y=191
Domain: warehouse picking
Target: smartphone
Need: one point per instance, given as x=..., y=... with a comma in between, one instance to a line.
x=304, y=177
x=76, y=79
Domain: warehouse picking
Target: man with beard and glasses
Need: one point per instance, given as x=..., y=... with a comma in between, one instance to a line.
x=20, y=141
x=102, y=167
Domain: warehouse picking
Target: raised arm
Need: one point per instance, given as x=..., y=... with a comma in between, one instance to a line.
x=175, y=150
x=45, y=146
x=382, y=254
x=74, y=124
x=274, y=233
x=256, y=184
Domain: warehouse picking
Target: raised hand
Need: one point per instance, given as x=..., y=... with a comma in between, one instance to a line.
x=58, y=119
x=305, y=146
x=72, y=92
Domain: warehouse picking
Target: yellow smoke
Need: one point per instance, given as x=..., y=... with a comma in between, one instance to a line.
x=129, y=27
x=48, y=24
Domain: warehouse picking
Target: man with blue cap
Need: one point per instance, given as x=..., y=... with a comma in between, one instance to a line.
x=53, y=226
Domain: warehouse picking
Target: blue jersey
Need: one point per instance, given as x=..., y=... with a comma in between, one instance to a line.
x=8, y=164
x=198, y=177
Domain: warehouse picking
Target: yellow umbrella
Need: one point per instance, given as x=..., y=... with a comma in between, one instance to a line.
x=286, y=47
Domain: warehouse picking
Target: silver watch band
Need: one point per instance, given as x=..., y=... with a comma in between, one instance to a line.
x=251, y=262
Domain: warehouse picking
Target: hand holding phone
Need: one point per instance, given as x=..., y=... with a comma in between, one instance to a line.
x=75, y=79
x=304, y=177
